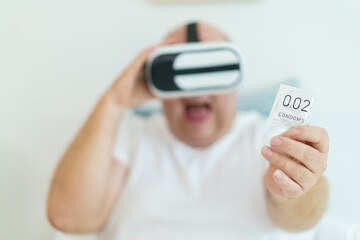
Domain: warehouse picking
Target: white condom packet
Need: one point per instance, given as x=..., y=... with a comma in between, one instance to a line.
x=292, y=107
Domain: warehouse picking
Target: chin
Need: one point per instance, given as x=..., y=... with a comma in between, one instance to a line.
x=199, y=139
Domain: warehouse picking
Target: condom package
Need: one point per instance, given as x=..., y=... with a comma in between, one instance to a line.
x=292, y=107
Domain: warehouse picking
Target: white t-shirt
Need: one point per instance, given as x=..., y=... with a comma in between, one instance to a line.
x=174, y=191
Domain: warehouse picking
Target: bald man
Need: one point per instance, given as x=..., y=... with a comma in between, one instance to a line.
x=200, y=170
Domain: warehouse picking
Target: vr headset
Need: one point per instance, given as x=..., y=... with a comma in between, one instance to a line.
x=194, y=68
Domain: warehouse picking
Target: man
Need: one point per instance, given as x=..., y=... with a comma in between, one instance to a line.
x=194, y=172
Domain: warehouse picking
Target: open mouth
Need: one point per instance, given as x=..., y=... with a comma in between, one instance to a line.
x=197, y=111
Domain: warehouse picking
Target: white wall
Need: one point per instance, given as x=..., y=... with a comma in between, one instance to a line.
x=57, y=57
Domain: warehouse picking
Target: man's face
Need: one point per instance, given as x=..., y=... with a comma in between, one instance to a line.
x=200, y=121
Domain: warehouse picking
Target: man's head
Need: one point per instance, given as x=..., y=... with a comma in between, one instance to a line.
x=200, y=121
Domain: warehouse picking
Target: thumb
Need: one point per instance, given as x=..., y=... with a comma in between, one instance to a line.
x=137, y=65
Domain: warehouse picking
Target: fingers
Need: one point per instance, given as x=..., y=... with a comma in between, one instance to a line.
x=297, y=159
x=312, y=159
x=289, y=188
x=316, y=136
x=294, y=170
x=137, y=65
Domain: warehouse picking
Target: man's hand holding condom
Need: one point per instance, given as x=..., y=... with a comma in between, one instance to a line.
x=298, y=157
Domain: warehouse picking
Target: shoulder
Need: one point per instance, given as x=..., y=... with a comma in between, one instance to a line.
x=136, y=126
x=246, y=121
x=136, y=132
x=253, y=124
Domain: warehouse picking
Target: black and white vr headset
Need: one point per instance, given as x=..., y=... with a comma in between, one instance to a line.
x=194, y=68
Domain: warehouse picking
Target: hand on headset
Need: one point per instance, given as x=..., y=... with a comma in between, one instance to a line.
x=130, y=88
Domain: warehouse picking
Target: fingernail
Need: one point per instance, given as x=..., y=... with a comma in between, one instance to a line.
x=278, y=175
x=275, y=141
x=267, y=152
x=294, y=132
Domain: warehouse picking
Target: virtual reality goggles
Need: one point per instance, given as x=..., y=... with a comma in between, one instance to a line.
x=194, y=68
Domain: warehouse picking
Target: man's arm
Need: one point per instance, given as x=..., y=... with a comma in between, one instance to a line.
x=297, y=191
x=88, y=179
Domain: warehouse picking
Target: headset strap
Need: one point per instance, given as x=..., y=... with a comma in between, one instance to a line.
x=192, y=33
